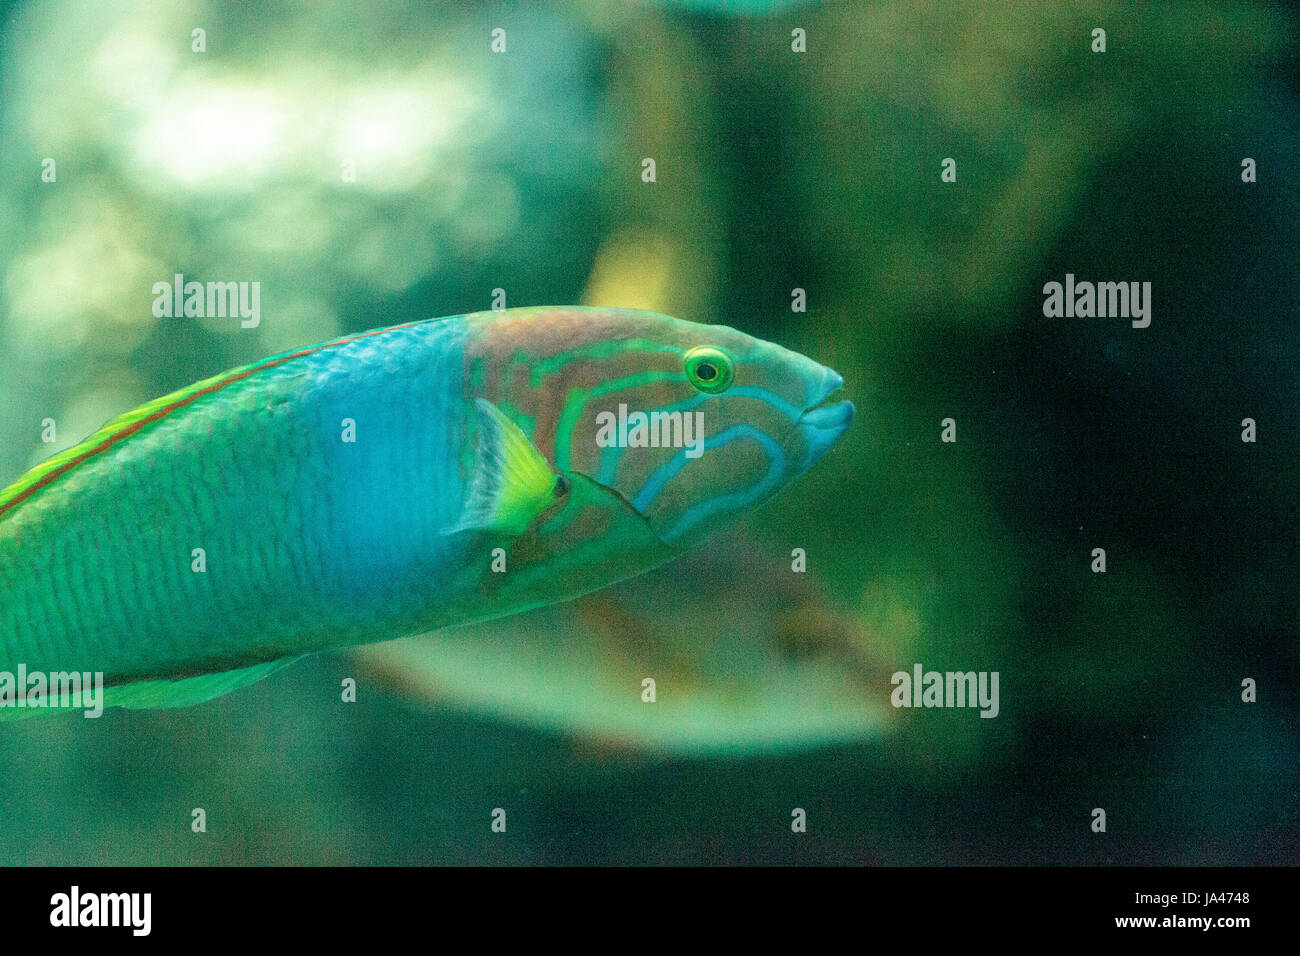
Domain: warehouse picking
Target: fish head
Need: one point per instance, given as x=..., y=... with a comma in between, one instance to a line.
x=660, y=431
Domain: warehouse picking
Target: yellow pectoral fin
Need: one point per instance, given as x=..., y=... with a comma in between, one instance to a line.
x=512, y=481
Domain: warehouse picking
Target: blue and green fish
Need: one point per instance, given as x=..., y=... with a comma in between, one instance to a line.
x=391, y=483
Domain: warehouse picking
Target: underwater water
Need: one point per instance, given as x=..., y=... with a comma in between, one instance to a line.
x=1055, y=489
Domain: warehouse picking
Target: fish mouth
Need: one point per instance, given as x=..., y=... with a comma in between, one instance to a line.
x=824, y=422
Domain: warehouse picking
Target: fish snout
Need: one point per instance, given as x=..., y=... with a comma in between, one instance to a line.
x=824, y=422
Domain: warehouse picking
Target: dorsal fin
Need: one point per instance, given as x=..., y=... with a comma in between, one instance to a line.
x=117, y=429
x=126, y=425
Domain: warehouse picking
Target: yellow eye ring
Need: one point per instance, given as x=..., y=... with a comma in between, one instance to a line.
x=709, y=369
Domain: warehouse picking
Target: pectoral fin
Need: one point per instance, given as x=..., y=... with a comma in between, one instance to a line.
x=512, y=482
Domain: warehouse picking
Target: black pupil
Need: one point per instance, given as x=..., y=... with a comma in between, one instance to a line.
x=561, y=486
x=706, y=372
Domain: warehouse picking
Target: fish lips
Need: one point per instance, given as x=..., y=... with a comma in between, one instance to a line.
x=826, y=420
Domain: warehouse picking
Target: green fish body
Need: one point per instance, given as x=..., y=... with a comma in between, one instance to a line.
x=391, y=483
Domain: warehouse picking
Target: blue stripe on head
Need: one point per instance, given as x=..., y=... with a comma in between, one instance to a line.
x=788, y=409
x=612, y=454
x=734, y=500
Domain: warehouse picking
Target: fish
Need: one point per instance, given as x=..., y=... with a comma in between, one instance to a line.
x=387, y=484
x=778, y=665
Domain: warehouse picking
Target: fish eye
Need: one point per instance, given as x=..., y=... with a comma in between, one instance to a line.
x=561, y=486
x=709, y=369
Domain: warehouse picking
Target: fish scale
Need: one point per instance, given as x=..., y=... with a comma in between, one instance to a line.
x=100, y=560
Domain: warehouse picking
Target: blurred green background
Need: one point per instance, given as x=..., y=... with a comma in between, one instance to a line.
x=775, y=170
